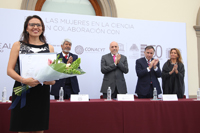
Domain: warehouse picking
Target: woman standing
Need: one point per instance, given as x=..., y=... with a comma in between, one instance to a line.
x=173, y=73
x=34, y=116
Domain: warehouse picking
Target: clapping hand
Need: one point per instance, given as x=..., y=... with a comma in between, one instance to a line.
x=175, y=68
x=151, y=64
x=155, y=63
x=70, y=60
x=118, y=57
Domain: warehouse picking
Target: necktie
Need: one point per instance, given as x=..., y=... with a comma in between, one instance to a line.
x=114, y=57
x=150, y=70
x=66, y=56
x=148, y=62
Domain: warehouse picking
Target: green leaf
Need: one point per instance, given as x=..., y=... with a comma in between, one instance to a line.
x=60, y=67
x=76, y=63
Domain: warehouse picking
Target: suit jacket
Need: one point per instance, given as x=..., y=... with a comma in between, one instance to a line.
x=114, y=74
x=145, y=78
x=61, y=83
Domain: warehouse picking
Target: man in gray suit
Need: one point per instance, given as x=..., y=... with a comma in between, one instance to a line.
x=113, y=66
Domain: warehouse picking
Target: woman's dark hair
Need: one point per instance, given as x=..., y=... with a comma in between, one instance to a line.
x=25, y=34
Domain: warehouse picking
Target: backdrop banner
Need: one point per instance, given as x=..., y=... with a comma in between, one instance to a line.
x=91, y=37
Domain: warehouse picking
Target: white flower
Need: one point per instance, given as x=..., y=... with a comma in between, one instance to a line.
x=67, y=65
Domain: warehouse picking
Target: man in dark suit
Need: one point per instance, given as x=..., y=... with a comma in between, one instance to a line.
x=148, y=72
x=70, y=85
x=113, y=66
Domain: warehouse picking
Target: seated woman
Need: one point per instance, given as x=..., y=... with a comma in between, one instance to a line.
x=173, y=74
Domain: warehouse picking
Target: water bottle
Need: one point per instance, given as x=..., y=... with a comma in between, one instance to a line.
x=154, y=94
x=109, y=92
x=198, y=94
x=4, y=95
x=61, y=94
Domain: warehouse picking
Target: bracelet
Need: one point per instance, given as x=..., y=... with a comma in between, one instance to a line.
x=22, y=81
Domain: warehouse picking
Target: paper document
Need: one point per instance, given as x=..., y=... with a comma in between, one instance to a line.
x=30, y=64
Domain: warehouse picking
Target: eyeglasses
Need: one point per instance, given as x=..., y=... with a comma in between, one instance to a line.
x=34, y=24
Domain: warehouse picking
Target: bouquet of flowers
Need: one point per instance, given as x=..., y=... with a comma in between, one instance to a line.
x=54, y=71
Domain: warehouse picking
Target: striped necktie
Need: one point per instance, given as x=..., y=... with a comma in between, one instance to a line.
x=148, y=62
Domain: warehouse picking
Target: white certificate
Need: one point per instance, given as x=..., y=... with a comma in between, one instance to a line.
x=30, y=64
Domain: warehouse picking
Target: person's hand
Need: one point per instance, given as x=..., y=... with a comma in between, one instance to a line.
x=176, y=68
x=49, y=82
x=70, y=60
x=30, y=82
x=155, y=63
x=118, y=58
x=172, y=71
x=151, y=64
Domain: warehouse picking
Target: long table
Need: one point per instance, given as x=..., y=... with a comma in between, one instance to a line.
x=100, y=116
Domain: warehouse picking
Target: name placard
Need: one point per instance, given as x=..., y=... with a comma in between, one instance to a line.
x=79, y=97
x=170, y=97
x=125, y=97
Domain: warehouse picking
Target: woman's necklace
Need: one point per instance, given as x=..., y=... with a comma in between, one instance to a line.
x=173, y=63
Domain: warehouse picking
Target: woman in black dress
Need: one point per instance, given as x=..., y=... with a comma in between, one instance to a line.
x=34, y=116
x=173, y=73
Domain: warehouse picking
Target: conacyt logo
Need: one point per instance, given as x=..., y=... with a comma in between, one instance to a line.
x=80, y=49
